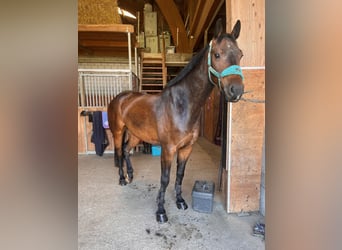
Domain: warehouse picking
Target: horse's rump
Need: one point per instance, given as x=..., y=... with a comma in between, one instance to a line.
x=134, y=111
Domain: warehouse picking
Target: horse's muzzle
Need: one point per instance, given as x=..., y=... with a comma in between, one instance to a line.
x=233, y=91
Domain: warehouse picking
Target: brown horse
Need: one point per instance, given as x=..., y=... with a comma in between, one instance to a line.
x=172, y=117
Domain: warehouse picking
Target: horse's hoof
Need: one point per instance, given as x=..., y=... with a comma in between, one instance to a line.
x=162, y=217
x=122, y=182
x=182, y=205
x=129, y=179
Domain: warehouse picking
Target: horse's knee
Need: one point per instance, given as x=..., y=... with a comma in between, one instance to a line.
x=164, y=180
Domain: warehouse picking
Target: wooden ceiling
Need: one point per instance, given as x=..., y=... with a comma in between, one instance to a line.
x=200, y=14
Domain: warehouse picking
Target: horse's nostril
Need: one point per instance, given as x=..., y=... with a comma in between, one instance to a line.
x=235, y=89
x=232, y=90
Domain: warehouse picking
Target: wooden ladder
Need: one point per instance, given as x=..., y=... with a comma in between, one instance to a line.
x=153, y=72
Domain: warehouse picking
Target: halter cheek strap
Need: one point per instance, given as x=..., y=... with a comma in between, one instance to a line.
x=231, y=70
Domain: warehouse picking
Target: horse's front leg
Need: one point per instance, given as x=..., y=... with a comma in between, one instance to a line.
x=182, y=158
x=166, y=159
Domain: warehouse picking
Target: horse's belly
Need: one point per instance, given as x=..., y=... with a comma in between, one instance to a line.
x=143, y=126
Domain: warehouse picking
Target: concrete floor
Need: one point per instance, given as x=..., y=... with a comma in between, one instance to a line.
x=123, y=217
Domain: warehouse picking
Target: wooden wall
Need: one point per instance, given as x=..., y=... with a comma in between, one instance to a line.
x=252, y=36
x=211, y=115
x=248, y=117
x=248, y=127
x=85, y=132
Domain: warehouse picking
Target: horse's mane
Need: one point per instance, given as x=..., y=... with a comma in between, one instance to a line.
x=189, y=67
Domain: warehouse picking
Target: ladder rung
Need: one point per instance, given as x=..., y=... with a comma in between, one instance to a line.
x=150, y=84
x=152, y=68
x=152, y=91
x=151, y=78
x=152, y=62
x=152, y=73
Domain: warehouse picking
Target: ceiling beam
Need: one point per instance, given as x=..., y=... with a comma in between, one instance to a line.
x=174, y=20
x=197, y=15
x=202, y=18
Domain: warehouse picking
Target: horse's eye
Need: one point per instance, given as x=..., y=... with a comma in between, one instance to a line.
x=217, y=55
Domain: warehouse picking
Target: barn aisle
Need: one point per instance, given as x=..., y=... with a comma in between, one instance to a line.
x=123, y=217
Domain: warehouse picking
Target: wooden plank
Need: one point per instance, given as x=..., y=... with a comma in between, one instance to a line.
x=248, y=118
x=81, y=134
x=248, y=127
x=245, y=193
x=85, y=129
x=211, y=115
x=252, y=35
x=109, y=44
x=102, y=52
x=106, y=28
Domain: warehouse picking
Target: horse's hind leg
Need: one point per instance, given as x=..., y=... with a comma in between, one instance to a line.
x=182, y=158
x=131, y=143
x=118, y=158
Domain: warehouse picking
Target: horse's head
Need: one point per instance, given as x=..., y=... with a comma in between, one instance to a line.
x=224, y=62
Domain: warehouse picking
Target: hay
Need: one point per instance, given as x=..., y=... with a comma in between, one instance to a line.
x=98, y=12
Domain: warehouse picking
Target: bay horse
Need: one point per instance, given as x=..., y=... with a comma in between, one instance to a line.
x=171, y=118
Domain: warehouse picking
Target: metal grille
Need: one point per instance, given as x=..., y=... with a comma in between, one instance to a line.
x=97, y=87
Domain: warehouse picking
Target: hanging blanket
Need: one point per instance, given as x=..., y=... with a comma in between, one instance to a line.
x=99, y=136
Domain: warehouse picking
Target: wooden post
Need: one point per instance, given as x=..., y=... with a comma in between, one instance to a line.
x=242, y=186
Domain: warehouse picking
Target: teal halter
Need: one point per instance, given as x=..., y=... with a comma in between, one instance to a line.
x=231, y=70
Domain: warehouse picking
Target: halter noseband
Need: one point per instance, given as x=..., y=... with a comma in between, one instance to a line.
x=231, y=70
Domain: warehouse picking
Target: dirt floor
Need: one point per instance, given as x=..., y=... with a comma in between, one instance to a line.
x=123, y=217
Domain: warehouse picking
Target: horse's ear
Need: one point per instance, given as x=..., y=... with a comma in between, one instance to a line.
x=218, y=28
x=236, y=30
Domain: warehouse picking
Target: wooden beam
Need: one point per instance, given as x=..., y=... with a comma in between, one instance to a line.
x=206, y=14
x=106, y=27
x=87, y=51
x=196, y=16
x=174, y=20
x=109, y=44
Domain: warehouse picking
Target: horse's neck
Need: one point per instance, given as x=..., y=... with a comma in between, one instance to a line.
x=190, y=95
x=200, y=87
x=191, y=92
